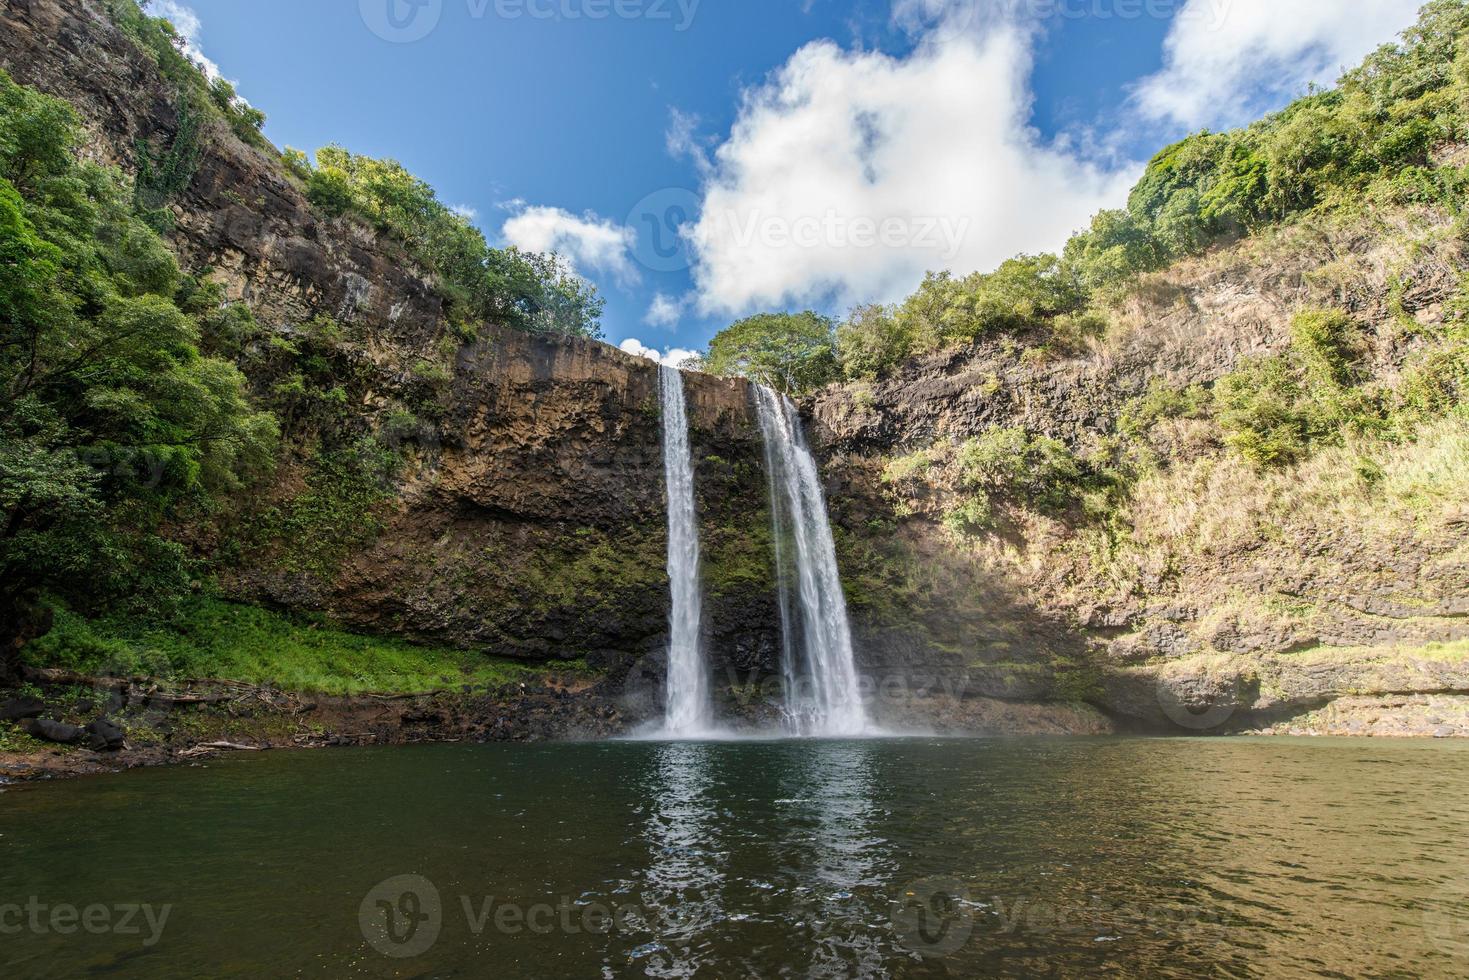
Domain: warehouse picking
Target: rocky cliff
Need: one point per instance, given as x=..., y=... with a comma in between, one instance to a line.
x=1208, y=594
x=521, y=512
x=526, y=515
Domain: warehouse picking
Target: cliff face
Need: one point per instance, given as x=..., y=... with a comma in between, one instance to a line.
x=524, y=515
x=527, y=516
x=1210, y=590
x=240, y=215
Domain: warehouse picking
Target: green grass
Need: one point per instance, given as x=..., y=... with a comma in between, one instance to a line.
x=216, y=640
x=12, y=739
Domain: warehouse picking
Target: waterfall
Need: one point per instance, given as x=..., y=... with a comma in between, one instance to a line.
x=822, y=693
x=688, y=708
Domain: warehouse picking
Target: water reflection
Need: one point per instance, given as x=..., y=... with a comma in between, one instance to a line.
x=681, y=892
x=835, y=860
x=1149, y=858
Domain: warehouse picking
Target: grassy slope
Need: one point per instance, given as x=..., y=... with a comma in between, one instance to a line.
x=219, y=640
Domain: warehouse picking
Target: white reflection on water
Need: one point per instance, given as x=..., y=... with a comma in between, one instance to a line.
x=838, y=859
x=682, y=886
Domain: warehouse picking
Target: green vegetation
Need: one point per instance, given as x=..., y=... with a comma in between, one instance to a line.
x=215, y=640
x=537, y=293
x=531, y=292
x=1023, y=293
x=334, y=516
x=115, y=422
x=793, y=353
x=165, y=172
x=1366, y=144
x=1275, y=409
x=160, y=41
x=1003, y=465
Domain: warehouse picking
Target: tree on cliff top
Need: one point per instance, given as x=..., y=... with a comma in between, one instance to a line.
x=790, y=352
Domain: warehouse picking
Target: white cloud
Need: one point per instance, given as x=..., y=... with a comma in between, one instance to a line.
x=466, y=211
x=664, y=311
x=187, y=23
x=1226, y=61
x=682, y=138
x=588, y=242
x=849, y=173
x=673, y=357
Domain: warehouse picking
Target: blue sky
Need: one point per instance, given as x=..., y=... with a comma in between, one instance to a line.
x=704, y=159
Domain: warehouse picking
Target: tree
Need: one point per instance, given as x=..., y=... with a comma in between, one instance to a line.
x=113, y=419
x=535, y=293
x=791, y=352
x=872, y=342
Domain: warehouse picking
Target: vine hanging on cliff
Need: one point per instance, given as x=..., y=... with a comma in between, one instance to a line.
x=164, y=174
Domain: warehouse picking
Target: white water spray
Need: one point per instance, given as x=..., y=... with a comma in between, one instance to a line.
x=823, y=696
x=688, y=710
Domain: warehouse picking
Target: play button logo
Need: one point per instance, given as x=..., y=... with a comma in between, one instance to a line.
x=401, y=21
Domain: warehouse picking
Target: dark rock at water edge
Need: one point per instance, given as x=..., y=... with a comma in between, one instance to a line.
x=53, y=731
x=105, y=736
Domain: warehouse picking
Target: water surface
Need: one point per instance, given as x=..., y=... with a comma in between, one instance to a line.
x=922, y=858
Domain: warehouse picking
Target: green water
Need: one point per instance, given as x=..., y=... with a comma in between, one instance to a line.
x=905, y=858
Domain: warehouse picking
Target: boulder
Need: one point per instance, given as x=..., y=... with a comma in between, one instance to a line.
x=105, y=736
x=53, y=731
x=19, y=709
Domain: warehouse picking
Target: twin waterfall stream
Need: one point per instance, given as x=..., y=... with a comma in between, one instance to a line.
x=822, y=695
x=689, y=712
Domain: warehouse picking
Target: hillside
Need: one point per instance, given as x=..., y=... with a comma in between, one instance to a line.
x=1204, y=472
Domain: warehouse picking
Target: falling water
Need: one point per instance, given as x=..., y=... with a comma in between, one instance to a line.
x=688, y=707
x=822, y=694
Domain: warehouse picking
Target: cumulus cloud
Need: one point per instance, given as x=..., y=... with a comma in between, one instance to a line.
x=849, y=173
x=187, y=23
x=466, y=211
x=589, y=243
x=673, y=357
x=664, y=311
x=1225, y=61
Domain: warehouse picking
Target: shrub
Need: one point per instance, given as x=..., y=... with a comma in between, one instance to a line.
x=1161, y=402
x=1263, y=414
x=115, y=422
x=1016, y=465
x=1325, y=342
x=1024, y=292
